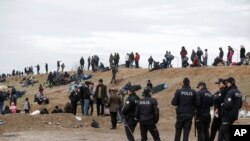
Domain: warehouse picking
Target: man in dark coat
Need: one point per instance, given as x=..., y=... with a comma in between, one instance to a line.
x=114, y=104
x=242, y=53
x=46, y=68
x=82, y=63
x=74, y=98
x=101, y=97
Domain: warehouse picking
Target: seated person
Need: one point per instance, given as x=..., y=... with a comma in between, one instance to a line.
x=57, y=110
x=68, y=108
x=6, y=110
x=13, y=108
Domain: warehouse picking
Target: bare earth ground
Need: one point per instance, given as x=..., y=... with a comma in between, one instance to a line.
x=62, y=127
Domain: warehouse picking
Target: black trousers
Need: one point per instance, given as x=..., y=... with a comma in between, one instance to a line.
x=215, y=127
x=224, y=134
x=98, y=106
x=203, y=129
x=130, y=125
x=184, y=125
x=137, y=64
x=113, y=116
x=113, y=78
x=152, y=129
x=91, y=106
x=74, y=107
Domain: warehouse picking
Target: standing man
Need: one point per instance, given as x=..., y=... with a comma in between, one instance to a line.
x=114, y=70
x=149, y=84
x=137, y=59
x=183, y=54
x=150, y=62
x=58, y=66
x=199, y=53
x=74, y=97
x=89, y=62
x=205, y=57
x=242, y=53
x=218, y=99
x=63, y=66
x=147, y=113
x=82, y=63
x=230, y=109
x=2, y=99
x=128, y=111
x=203, y=117
x=38, y=68
x=86, y=98
x=114, y=104
x=46, y=68
x=101, y=97
x=131, y=59
x=127, y=60
x=186, y=100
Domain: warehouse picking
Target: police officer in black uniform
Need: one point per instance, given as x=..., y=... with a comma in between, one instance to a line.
x=203, y=117
x=186, y=100
x=218, y=99
x=128, y=111
x=230, y=109
x=147, y=113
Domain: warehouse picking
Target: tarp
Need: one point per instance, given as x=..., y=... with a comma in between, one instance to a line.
x=159, y=88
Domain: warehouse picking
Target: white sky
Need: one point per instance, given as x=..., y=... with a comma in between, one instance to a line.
x=37, y=31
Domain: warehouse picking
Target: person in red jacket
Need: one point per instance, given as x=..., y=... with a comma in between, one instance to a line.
x=183, y=54
x=137, y=58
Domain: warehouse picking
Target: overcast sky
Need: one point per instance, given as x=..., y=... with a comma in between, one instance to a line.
x=37, y=31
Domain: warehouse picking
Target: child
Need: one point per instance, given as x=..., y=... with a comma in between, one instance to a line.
x=13, y=108
x=26, y=106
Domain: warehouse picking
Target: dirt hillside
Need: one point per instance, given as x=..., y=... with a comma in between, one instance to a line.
x=24, y=125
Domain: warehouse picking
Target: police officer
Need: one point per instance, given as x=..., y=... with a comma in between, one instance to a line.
x=128, y=111
x=230, y=109
x=218, y=99
x=147, y=113
x=186, y=100
x=203, y=117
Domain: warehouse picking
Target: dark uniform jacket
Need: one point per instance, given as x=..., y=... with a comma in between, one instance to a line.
x=129, y=108
x=147, y=111
x=206, y=101
x=232, y=105
x=218, y=99
x=186, y=100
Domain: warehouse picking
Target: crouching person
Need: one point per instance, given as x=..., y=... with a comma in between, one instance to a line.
x=147, y=113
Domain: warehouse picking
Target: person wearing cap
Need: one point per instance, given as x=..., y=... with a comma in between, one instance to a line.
x=74, y=98
x=128, y=111
x=186, y=100
x=114, y=103
x=147, y=112
x=218, y=99
x=203, y=117
x=230, y=109
x=101, y=97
